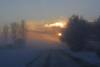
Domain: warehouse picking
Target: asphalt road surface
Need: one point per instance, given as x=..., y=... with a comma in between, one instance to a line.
x=57, y=58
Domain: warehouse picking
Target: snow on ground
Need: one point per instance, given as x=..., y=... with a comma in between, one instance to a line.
x=90, y=57
x=17, y=57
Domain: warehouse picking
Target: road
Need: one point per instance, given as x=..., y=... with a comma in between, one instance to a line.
x=57, y=58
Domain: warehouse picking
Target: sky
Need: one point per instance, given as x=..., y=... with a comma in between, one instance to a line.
x=43, y=16
x=47, y=10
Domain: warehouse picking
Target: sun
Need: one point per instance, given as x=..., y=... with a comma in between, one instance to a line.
x=59, y=34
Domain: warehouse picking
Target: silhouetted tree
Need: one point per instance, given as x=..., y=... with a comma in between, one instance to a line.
x=18, y=33
x=97, y=30
x=5, y=33
x=97, y=33
x=23, y=29
x=22, y=33
x=0, y=32
x=14, y=31
x=75, y=33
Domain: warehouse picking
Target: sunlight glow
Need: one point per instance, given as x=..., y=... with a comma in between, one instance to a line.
x=55, y=25
x=60, y=24
x=92, y=20
x=59, y=34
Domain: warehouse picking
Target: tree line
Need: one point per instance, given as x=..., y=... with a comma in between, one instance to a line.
x=81, y=35
x=17, y=32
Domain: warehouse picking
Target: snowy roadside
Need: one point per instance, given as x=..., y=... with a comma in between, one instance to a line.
x=89, y=57
x=18, y=57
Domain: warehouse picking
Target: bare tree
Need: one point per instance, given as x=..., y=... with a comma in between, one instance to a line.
x=18, y=33
x=23, y=29
x=14, y=31
x=5, y=33
x=22, y=32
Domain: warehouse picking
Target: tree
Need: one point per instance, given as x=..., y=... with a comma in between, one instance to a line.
x=97, y=33
x=22, y=32
x=14, y=31
x=0, y=33
x=5, y=33
x=75, y=33
x=23, y=29
x=97, y=30
x=18, y=33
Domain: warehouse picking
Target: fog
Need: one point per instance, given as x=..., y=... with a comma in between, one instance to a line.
x=61, y=42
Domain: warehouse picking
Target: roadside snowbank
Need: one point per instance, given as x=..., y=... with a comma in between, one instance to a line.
x=89, y=57
x=18, y=57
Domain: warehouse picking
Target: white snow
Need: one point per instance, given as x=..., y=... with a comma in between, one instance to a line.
x=18, y=57
x=90, y=57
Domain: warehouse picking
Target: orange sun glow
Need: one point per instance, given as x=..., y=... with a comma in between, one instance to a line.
x=59, y=34
x=60, y=24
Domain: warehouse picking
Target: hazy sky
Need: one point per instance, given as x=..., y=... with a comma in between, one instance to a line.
x=47, y=10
